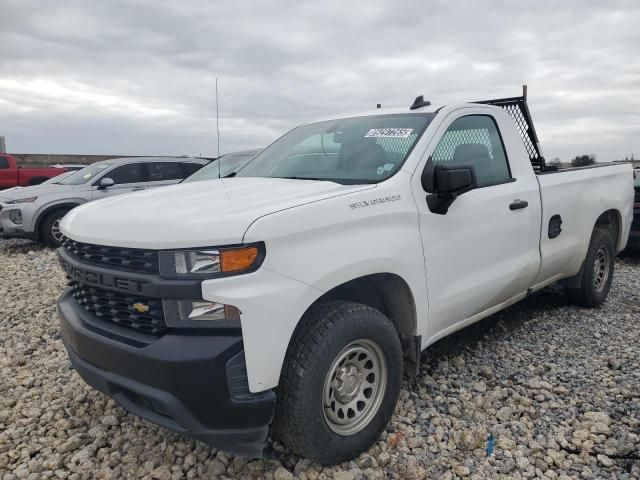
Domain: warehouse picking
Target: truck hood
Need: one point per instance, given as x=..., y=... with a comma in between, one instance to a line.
x=17, y=193
x=198, y=214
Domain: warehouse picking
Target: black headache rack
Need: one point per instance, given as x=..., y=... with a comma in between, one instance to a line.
x=517, y=109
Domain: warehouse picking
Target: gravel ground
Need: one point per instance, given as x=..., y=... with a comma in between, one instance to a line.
x=554, y=390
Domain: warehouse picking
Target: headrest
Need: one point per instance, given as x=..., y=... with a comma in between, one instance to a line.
x=471, y=153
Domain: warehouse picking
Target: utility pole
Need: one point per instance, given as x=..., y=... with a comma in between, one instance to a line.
x=3, y=146
x=217, y=118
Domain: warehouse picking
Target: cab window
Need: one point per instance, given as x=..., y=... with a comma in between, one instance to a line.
x=160, y=171
x=475, y=140
x=4, y=162
x=131, y=173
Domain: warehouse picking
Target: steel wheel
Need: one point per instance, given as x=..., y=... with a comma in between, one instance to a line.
x=601, y=269
x=354, y=387
x=55, y=230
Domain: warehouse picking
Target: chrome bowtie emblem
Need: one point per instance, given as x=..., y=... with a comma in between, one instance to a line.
x=140, y=307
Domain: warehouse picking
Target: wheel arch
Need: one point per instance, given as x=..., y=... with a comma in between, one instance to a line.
x=611, y=220
x=388, y=293
x=47, y=210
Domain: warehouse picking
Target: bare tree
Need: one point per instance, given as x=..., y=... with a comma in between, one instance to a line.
x=583, y=160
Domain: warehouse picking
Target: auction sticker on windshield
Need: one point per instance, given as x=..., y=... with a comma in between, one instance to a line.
x=389, y=132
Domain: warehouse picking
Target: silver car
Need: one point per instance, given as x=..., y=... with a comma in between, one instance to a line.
x=35, y=212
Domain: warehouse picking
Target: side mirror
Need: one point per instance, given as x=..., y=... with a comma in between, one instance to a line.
x=445, y=183
x=105, y=182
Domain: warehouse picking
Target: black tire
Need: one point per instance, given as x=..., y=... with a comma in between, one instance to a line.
x=596, y=274
x=324, y=333
x=47, y=226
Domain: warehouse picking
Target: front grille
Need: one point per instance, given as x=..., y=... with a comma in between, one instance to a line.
x=118, y=308
x=134, y=259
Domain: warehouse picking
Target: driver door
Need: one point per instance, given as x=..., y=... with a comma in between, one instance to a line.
x=481, y=252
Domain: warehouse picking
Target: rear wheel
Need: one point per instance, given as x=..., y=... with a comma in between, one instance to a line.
x=340, y=382
x=596, y=274
x=50, y=232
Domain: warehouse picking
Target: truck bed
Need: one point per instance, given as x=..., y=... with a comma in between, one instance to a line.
x=574, y=194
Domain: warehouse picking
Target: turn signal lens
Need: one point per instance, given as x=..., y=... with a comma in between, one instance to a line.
x=237, y=259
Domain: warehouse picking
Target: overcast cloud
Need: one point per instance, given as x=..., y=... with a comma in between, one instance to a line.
x=138, y=76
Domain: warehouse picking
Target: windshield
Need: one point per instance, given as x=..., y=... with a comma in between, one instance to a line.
x=349, y=150
x=85, y=174
x=223, y=166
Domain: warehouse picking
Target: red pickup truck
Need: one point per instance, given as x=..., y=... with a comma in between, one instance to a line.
x=13, y=176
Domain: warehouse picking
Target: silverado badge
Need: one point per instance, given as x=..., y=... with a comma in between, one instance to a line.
x=140, y=307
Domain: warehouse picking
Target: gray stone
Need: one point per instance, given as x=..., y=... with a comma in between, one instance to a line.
x=504, y=414
x=162, y=473
x=70, y=444
x=480, y=387
x=605, y=461
x=462, y=471
x=109, y=420
x=282, y=473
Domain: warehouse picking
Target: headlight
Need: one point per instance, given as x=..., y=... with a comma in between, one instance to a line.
x=198, y=313
x=15, y=216
x=22, y=200
x=211, y=262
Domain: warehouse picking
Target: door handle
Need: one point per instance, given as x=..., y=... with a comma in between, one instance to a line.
x=137, y=188
x=518, y=204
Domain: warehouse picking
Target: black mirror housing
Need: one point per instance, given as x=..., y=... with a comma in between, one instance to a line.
x=445, y=183
x=448, y=180
x=455, y=180
x=105, y=182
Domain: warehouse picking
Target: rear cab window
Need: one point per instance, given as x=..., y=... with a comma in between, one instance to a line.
x=4, y=163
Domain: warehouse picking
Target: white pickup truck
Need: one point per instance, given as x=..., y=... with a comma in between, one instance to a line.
x=294, y=293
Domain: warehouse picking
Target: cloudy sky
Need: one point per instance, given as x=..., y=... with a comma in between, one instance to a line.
x=138, y=76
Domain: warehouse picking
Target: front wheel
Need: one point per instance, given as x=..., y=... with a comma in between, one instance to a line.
x=50, y=232
x=596, y=274
x=340, y=382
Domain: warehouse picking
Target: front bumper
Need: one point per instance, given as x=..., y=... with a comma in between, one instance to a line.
x=195, y=385
x=8, y=229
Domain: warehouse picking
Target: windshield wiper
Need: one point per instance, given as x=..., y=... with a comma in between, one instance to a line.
x=308, y=178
